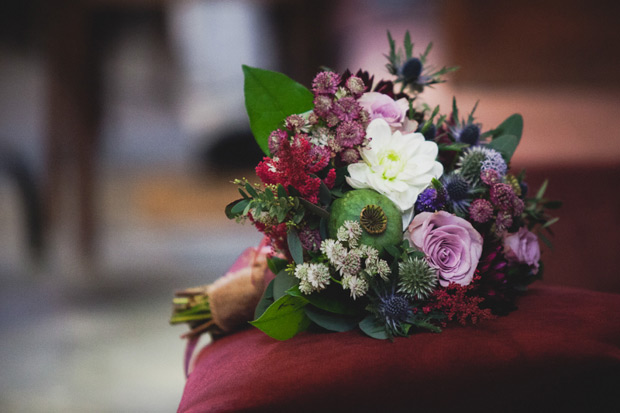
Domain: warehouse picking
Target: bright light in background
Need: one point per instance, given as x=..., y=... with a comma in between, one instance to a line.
x=212, y=40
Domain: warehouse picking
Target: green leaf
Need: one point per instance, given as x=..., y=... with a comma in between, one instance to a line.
x=373, y=327
x=269, y=98
x=426, y=325
x=335, y=300
x=550, y=222
x=282, y=283
x=294, y=246
x=506, y=145
x=276, y=264
x=284, y=318
x=330, y=321
x=282, y=192
x=235, y=208
x=265, y=301
x=541, y=190
x=511, y=126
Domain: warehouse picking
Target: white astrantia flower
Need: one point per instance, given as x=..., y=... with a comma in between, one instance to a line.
x=399, y=166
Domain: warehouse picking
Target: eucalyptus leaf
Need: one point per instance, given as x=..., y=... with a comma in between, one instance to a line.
x=506, y=145
x=240, y=207
x=235, y=208
x=265, y=301
x=276, y=264
x=282, y=283
x=331, y=321
x=294, y=246
x=269, y=98
x=284, y=318
x=373, y=327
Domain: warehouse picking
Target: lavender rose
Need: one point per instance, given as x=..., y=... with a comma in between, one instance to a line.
x=522, y=247
x=381, y=106
x=451, y=245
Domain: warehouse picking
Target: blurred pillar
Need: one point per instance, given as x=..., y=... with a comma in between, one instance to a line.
x=72, y=113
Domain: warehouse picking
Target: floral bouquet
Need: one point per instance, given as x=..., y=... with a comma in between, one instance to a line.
x=379, y=212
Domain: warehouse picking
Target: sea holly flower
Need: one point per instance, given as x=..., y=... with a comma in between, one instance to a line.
x=397, y=165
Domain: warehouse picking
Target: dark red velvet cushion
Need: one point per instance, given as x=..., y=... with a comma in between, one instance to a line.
x=560, y=351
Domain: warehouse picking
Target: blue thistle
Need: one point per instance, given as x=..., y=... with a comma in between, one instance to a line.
x=459, y=193
x=393, y=309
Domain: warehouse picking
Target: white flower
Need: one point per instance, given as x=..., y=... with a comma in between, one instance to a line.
x=357, y=285
x=397, y=165
x=313, y=277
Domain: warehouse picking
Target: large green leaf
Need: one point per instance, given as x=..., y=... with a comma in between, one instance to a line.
x=506, y=145
x=330, y=321
x=269, y=98
x=511, y=126
x=373, y=327
x=335, y=300
x=265, y=301
x=284, y=318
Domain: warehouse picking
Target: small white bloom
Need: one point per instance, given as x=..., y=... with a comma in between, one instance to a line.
x=357, y=285
x=312, y=277
x=334, y=251
x=397, y=165
x=350, y=232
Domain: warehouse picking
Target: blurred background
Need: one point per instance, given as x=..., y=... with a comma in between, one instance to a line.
x=122, y=123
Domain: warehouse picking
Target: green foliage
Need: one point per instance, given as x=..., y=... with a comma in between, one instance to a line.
x=506, y=145
x=265, y=301
x=331, y=321
x=282, y=283
x=373, y=327
x=536, y=214
x=284, y=318
x=294, y=246
x=270, y=97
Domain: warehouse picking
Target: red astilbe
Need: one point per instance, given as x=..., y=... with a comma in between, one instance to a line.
x=293, y=166
x=276, y=234
x=457, y=304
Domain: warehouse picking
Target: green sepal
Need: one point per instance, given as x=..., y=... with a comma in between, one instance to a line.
x=270, y=97
x=284, y=318
x=331, y=321
x=373, y=327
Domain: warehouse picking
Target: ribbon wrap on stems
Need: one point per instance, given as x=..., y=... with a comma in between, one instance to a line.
x=233, y=297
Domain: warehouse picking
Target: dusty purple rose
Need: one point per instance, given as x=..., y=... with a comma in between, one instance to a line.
x=381, y=106
x=522, y=247
x=451, y=245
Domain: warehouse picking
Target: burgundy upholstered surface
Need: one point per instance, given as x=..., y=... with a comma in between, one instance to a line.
x=559, y=352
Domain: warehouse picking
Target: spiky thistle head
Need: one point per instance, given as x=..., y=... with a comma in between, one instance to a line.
x=417, y=279
x=459, y=193
x=470, y=164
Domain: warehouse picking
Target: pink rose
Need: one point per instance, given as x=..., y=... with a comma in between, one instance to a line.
x=381, y=106
x=522, y=247
x=452, y=246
